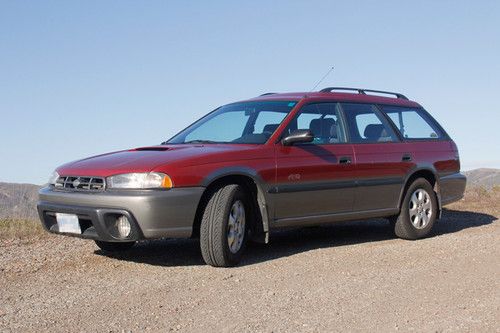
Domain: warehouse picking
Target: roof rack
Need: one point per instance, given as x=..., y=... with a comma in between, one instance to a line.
x=364, y=91
x=265, y=94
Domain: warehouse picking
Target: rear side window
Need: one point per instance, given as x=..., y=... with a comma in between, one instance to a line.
x=413, y=123
x=366, y=124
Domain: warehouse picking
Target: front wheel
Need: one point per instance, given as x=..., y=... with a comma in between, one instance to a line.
x=224, y=225
x=114, y=246
x=418, y=211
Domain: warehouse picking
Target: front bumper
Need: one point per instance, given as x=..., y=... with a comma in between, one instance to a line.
x=153, y=214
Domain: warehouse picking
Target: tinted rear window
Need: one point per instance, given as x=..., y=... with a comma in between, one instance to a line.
x=413, y=123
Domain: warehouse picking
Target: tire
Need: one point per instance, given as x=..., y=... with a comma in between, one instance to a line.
x=418, y=211
x=114, y=246
x=224, y=226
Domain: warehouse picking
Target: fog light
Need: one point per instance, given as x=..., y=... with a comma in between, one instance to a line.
x=123, y=226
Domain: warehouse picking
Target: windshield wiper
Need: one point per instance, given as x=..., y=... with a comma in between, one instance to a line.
x=201, y=141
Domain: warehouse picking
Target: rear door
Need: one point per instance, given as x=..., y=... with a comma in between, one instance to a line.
x=382, y=160
x=317, y=178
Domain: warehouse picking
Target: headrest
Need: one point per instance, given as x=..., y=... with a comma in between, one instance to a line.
x=322, y=127
x=375, y=132
x=270, y=128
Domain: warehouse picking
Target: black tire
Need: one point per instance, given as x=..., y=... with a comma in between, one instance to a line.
x=214, y=227
x=403, y=226
x=114, y=246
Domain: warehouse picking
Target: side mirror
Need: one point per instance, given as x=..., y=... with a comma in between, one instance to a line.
x=298, y=136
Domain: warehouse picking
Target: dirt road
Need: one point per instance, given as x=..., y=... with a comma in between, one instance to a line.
x=343, y=277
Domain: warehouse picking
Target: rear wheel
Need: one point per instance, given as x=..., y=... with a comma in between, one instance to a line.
x=114, y=246
x=224, y=225
x=418, y=211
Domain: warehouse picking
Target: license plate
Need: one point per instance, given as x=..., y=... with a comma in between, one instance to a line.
x=68, y=223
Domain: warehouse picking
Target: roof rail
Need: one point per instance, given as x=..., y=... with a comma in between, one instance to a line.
x=364, y=91
x=265, y=94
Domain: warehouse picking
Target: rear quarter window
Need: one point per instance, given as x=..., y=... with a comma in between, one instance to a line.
x=413, y=123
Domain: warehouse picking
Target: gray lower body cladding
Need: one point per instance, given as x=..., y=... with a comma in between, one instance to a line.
x=452, y=188
x=154, y=214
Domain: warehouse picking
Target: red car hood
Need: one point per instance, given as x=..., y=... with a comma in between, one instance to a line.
x=146, y=159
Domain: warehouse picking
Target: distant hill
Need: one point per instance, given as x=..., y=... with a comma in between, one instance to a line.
x=484, y=177
x=18, y=201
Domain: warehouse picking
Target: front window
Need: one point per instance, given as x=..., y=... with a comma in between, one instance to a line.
x=247, y=122
x=323, y=120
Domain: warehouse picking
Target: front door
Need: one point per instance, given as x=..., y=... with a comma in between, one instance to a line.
x=315, y=180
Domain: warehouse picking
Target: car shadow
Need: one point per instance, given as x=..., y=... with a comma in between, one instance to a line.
x=186, y=252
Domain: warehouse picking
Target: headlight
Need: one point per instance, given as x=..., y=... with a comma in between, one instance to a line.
x=53, y=178
x=140, y=181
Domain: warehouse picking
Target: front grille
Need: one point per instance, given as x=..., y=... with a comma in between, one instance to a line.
x=77, y=183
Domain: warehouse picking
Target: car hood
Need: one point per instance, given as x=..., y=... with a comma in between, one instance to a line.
x=146, y=159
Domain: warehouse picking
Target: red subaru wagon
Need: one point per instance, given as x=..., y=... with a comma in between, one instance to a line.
x=274, y=161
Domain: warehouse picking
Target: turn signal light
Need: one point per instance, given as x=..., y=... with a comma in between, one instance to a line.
x=167, y=182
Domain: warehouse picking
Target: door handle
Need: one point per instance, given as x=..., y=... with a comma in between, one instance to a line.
x=406, y=158
x=345, y=160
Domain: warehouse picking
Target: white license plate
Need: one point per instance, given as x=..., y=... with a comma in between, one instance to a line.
x=68, y=223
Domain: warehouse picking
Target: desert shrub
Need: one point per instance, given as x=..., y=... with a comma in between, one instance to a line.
x=483, y=192
x=15, y=228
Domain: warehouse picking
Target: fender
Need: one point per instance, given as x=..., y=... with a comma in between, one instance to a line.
x=265, y=205
x=412, y=172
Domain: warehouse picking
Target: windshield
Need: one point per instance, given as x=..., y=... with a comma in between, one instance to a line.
x=248, y=122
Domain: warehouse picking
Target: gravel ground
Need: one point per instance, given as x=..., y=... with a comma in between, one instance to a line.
x=346, y=277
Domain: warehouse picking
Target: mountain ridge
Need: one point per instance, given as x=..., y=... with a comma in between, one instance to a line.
x=18, y=201
x=483, y=177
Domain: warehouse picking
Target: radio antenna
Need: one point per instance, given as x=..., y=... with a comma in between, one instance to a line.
x=324, y=77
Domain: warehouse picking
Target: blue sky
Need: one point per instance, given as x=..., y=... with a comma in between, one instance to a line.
x=83, y=78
